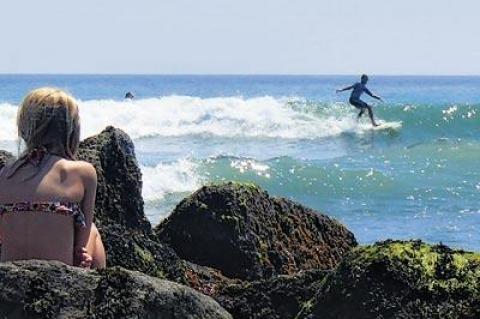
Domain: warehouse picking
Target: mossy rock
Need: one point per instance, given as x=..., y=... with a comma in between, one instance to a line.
x=245, y=233
x=401, y=279
x=119, y=208
x=49, y=290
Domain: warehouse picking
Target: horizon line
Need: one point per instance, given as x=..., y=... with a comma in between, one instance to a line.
x=245, y=74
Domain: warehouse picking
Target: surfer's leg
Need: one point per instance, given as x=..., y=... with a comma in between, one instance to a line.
x=370, y=113
x=361, y=113
x=359, y=105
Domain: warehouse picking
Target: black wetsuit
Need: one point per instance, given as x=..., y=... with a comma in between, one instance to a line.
x=358, y=89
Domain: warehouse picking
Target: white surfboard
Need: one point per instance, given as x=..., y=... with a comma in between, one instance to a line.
x=388, y=126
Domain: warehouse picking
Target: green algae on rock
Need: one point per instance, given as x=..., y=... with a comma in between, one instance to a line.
x=243, y=232
x=401, y=279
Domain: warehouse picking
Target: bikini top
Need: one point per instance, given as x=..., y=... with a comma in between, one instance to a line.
x=63, y=208
x=35, y=157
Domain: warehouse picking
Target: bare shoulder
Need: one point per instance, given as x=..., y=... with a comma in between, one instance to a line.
x=83, y=169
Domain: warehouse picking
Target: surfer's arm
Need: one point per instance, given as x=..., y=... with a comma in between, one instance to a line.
x=345, y=89
x=373, y=95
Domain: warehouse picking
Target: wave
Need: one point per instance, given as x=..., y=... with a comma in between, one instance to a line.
x=8, y=128
x=263, y=117
x=168, y=182
x=260, y=117
x=422, y=175
x=167, y=178
x=165, y=184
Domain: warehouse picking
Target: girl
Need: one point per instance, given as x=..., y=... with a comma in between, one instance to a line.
x=46, y=196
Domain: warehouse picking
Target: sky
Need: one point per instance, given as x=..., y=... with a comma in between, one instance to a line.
x=414, y=37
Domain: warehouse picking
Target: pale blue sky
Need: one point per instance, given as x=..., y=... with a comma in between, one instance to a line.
x=245, y=36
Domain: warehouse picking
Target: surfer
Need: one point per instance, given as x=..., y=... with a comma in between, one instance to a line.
x=358, y=89
x=129, y=95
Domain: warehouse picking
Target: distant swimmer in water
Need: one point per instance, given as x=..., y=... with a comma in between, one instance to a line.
x=358, y=89
x=129, y=95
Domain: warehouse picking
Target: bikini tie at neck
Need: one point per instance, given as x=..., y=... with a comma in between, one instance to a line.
x=33, y=157
x=36, y=155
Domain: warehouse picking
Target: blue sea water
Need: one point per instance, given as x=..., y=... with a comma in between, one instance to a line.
x=297, y=138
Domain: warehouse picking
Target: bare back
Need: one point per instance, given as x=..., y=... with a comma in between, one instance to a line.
x=34, y=235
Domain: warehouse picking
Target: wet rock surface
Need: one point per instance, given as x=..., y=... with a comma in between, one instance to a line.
x=246, y=234
x=400, y=279
x=40, y=289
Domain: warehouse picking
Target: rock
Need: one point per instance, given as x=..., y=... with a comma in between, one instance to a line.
x=119, y=191
x=4, y=157
x=243, y=232
x=40, y=289
x=276, y=298
x=401, y=279
x=119, y=213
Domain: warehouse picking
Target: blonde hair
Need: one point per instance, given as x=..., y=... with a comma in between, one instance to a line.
x=48, y=118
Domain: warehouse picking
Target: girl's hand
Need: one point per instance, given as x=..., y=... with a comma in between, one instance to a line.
x=81, y=258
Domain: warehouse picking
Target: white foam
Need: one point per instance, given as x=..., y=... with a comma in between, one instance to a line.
x=8, y=128
x=244, y=165
x=262, y=117
x=169, y=178
x=388, y=125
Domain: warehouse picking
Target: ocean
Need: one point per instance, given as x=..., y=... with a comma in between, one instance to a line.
x=297, y=138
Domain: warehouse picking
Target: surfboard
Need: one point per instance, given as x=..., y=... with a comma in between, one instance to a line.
x=387, y=126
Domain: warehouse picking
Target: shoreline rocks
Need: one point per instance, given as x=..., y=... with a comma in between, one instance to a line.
x=119, y=208
x=41, y=289
x=243, y=232
x=276, y=298
x=400, y=279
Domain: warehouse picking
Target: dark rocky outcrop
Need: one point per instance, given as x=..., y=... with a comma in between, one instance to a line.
x=119, y=214
x=242, y=231
x=119, y=191
x=275, y=298
x=39, y=289
x=395, y=279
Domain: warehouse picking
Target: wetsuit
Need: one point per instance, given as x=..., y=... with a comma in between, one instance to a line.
x=358, y=89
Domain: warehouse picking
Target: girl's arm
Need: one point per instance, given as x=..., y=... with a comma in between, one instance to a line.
x=89, y=178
